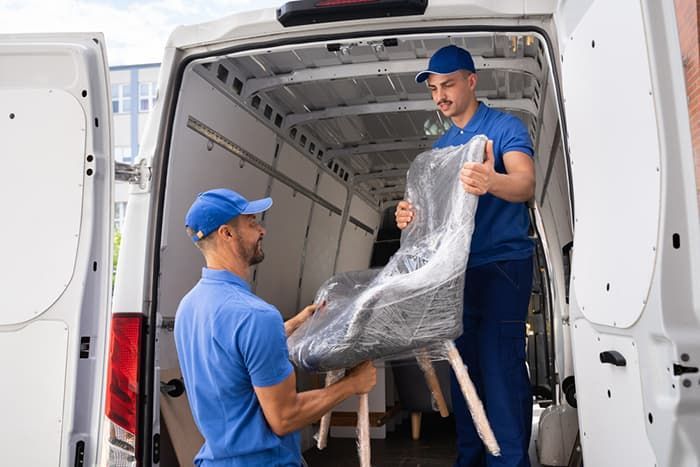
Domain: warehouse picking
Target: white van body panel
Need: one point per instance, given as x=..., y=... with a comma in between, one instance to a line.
x=616, y=224
x=63, y=118
x=634, y=288
x=56, y=247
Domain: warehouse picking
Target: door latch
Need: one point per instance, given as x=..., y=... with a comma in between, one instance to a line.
x=681, y=370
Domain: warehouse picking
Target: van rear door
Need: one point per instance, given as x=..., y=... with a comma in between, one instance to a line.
x=55, y=245
x=635, y=314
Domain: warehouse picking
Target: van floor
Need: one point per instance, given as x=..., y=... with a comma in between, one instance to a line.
x=436, y=447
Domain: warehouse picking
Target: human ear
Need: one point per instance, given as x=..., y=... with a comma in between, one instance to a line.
x=225, y=231
x=471, y=79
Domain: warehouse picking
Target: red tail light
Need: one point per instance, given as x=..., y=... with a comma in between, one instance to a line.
x=122, y=404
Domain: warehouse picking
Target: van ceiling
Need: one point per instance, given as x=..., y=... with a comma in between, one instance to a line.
x=354, y=107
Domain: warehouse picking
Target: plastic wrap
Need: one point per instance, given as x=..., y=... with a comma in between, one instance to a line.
x=415, y=301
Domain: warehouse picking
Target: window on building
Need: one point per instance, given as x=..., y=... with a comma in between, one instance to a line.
x=123, y=154
x=147, y=96
x=121, y=98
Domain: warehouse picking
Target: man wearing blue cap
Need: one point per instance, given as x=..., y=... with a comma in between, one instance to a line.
x=499, y=272
x=232, y=347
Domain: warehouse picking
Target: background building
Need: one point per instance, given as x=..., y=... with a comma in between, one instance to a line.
x=133, y=95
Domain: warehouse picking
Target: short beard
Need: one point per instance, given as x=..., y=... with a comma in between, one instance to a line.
x=257, y=255
x=252, y=255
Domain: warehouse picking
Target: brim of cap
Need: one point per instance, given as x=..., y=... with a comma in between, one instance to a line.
x=258, y=206
x=423, y=75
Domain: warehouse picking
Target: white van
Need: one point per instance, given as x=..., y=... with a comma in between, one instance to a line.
x=315, y=105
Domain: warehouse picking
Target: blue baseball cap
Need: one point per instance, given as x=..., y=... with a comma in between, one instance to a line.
x=216, y=207
x=447, y=60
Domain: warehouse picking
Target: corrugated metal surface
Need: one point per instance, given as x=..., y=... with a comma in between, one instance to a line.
x=304, y=86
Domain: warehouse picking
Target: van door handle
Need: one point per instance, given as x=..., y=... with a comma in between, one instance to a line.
x=173, y=388
x=613, y=357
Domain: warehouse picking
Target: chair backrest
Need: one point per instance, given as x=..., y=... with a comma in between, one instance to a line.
x=416, y=299
x=440, y=234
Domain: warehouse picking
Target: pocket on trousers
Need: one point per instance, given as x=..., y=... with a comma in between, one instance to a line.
x=512, y=343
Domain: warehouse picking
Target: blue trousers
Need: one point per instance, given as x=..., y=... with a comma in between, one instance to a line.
x=496, y=298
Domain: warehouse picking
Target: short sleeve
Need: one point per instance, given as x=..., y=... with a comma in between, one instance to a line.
x=516, y=137
x=262, y=345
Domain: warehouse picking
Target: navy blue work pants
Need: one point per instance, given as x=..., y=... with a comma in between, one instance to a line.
x=496, y=299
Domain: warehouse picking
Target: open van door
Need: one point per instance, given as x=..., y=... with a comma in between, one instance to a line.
x=55, y=246
x=635, y=308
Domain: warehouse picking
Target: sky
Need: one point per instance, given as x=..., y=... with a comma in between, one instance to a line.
x=135, y=30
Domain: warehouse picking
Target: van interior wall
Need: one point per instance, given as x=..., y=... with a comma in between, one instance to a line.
x=295, y=265
x=553, y=208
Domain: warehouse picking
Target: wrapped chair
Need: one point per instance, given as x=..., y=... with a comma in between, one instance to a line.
x=412, y=306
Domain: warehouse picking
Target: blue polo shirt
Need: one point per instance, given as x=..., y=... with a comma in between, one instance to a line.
x=229, y=340
x=501, y=227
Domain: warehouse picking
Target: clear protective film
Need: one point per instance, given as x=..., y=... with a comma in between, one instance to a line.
x=415, y=301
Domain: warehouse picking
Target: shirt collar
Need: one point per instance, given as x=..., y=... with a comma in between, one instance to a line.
x=475, y=122
x=223, y=275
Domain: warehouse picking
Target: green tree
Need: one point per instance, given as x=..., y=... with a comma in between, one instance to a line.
x=117, y=242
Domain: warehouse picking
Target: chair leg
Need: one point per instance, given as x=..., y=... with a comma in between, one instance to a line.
x=476, y=408
x=431, y=379
x=363, y=431
x=322, y=437
x=415, y=425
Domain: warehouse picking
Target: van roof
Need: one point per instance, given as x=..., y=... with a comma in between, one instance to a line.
x=263, y=22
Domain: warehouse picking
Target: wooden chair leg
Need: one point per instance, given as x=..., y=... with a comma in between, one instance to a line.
x=476, y=408
x=431, y=379
x=363, y=431
x=322, y=437
x=415, y=425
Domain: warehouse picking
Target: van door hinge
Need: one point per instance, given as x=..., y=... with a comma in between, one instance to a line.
x=138, y=174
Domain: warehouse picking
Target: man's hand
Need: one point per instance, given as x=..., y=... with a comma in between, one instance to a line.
x=292, y=324
x=404, y=214
x=478, y=178
x=306, y=313
x=362, y=378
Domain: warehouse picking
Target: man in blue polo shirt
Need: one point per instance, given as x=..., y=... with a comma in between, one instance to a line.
x=499, y=271
x=232, y=347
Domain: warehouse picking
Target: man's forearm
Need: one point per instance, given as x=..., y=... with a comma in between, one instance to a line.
x=310, y=406
x=291, y=325
x=516, y=187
